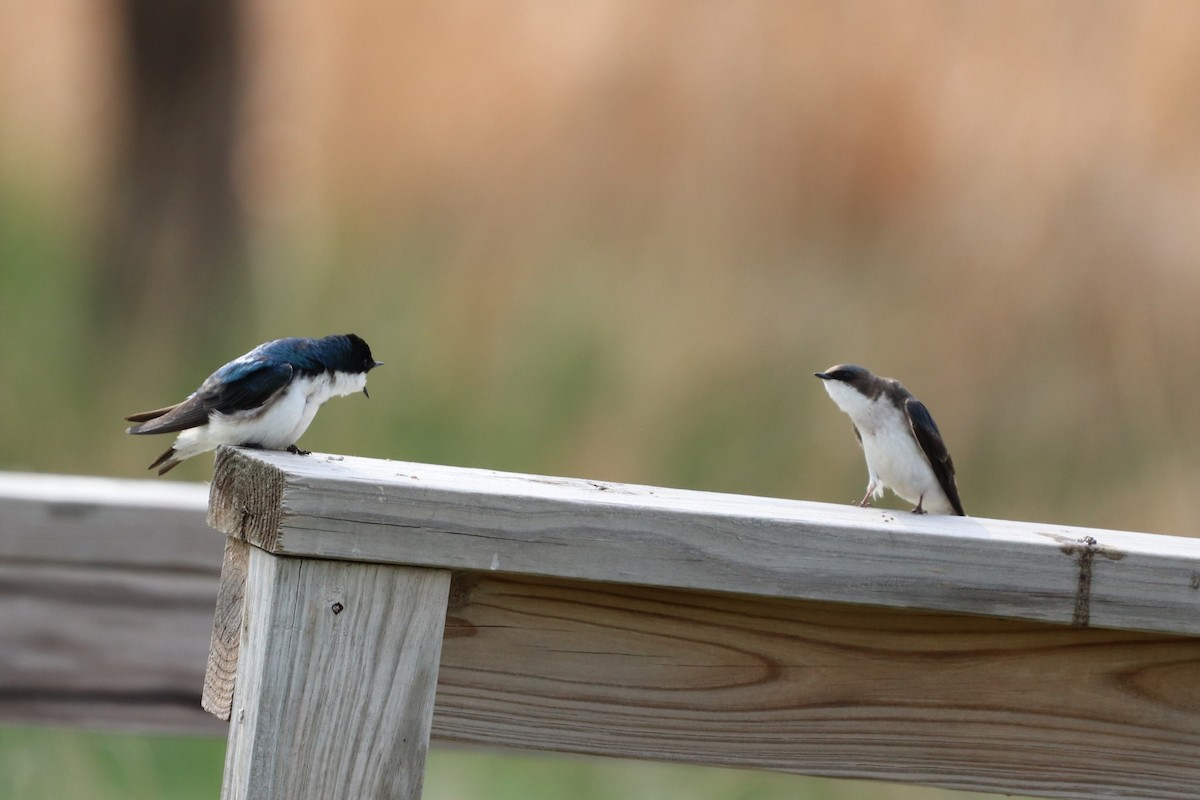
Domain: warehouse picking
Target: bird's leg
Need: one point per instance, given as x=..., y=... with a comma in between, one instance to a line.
x=251, y=445
x=918, y=509
x=291, y=448
x=866, y=501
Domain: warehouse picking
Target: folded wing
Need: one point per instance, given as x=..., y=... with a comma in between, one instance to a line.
x=930, y=440
x=238, y=386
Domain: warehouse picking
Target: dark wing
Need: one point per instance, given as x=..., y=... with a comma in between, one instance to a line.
x=930, y=440
x=237, y=386
x=241, y=386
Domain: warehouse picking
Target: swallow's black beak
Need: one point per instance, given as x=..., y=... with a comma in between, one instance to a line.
x=822, y=375
x=374, y=364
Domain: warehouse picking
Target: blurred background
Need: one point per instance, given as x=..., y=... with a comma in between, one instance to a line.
x=609, y=239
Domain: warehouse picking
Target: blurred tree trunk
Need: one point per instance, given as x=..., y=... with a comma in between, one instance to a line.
x=172, y=247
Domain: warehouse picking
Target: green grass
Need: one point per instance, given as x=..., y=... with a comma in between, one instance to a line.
x=52, y=764
x=464, y=775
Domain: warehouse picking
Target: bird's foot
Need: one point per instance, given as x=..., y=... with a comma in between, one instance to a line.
x=251, y=445
x=291, y=448
x=918, y=509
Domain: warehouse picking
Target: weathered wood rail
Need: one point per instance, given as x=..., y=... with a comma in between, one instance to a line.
x=367, y=606
x=106, y=595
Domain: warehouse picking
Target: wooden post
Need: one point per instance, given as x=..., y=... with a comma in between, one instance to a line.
x=335, y=680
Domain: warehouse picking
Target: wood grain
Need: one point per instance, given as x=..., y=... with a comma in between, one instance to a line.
x=821, y=689
x=336, y=676
x=110, y=648
x=221, y=669
x=106, y=591
x=446, y=517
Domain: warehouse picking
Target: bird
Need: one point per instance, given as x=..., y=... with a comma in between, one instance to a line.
x=901, y=442
x=266, y=398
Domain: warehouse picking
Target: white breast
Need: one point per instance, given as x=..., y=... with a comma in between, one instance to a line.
x=894, y=459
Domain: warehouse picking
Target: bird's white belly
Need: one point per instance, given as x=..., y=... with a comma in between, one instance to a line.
x=894, y=459
x=278, y=424
x=275, y=426
x=896, y=462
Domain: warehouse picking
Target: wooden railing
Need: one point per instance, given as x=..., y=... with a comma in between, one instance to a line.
x=367, y=607
x=106, y=595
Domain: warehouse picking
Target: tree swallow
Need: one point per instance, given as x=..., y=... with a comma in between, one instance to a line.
x=266, y=398
x=901, y=442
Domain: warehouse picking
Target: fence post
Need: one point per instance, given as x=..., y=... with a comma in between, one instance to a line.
x=335, y=681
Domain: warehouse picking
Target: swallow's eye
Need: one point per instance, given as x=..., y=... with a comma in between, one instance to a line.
x=842, y=375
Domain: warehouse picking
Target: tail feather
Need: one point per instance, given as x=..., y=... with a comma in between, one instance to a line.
x=166, y=462
x=146, y=416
